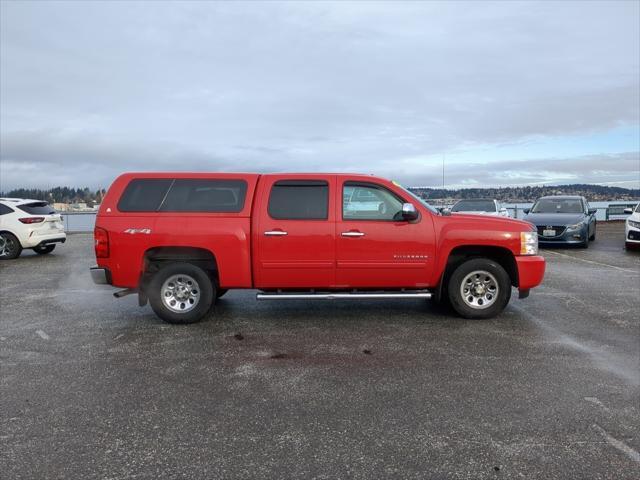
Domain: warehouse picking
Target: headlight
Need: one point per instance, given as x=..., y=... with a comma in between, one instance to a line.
x=634, y=224
x=528, y=243
x=575, y=226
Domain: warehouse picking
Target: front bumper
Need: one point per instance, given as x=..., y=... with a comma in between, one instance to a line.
x=100, y=276
x=530, y=271
x=568, y=237
x=632, y=235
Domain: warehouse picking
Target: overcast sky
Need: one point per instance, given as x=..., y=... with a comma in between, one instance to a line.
x=508, y=93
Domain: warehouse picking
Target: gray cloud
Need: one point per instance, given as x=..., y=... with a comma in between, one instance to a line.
x=89, y=90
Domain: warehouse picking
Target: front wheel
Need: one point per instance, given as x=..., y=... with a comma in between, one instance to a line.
x=479, y=288
x=44, y=249
x=10, y=247
x=181, y=293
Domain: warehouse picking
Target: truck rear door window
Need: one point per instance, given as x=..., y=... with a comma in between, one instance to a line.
x=299, y=200
x=184, y=195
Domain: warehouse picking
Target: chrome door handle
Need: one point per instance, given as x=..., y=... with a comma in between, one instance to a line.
x=275, y=233
x=352, y=234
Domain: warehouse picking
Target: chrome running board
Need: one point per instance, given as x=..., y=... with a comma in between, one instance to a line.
x=341, y=295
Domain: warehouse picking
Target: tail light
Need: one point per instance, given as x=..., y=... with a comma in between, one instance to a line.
x=30, y=220
x=101, y=237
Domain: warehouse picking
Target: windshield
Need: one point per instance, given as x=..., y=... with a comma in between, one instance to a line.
x=558, y=205
x=474, y=206
x=423, y=202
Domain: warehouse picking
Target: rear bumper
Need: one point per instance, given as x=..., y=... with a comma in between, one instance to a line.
x=530, y=271
x=52, y=240
x=39, y=240
x=100, y=276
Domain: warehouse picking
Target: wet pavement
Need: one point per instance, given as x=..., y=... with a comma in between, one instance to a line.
x=94, y=387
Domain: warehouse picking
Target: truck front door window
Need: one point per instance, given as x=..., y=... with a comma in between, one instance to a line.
x=368, y=202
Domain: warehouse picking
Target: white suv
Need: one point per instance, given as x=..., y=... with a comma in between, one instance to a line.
x=632, y=227
x=28, y=224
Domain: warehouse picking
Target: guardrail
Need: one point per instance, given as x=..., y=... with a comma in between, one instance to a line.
x=611, y=212
x=77, y=222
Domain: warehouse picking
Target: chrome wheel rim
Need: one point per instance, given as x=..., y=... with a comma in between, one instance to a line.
x=479, y=289
x=180, y=293
x=7, y=246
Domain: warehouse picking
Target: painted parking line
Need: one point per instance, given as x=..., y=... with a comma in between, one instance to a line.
x=618, y=444
x=42, y=334
x=628, y=270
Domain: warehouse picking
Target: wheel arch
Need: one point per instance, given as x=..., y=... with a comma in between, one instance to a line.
x=503, y=256
x=155, y=258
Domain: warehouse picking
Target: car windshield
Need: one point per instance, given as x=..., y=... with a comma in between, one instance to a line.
x=558, y=205
x=474, y=206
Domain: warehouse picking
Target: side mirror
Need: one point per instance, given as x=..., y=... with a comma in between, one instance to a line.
x=409, y=212
x=628, y=211
x=593, y=211
x=526, y=211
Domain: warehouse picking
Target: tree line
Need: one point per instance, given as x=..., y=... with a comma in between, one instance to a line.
x=530, y=193
x=58, y=194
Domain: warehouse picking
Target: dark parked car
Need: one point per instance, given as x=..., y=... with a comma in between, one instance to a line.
x=563, y=220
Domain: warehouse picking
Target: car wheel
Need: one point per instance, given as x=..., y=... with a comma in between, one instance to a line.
x=220, y=292
x=592, y=238
x=585, y=244
x=479, y=288
x=10, y=247
x=181, y=293
x=44, y=249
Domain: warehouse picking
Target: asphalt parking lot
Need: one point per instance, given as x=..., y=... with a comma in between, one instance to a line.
x=94, y=387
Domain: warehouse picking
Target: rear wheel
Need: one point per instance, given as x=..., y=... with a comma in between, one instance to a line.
x=181, y=293
x=10, y=247
x=479, y=288
x=44, y=249
x=593, y=236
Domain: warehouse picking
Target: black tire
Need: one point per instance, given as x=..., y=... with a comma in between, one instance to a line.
x=498, y=300
x=220, y=292
x=10, y=247
x=204, y=287
x=592, y=238
x=585, y=244
x=44, y=249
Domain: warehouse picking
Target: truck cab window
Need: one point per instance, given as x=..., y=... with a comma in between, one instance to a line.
x=370, y=202
x=299, y=200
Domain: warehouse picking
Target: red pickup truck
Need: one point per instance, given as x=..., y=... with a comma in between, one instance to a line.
x=181, y=240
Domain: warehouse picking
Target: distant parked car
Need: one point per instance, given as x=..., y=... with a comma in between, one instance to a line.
x=632, y=228
x=480, y=206
x=563, y=220
x=28, y=224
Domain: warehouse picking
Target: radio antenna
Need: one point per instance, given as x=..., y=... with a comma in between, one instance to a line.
x=443, y=192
